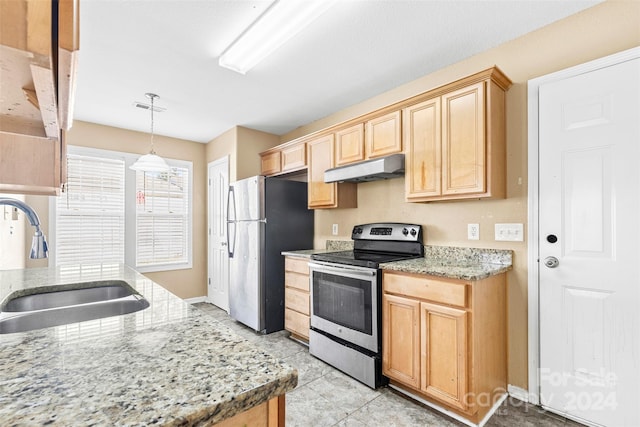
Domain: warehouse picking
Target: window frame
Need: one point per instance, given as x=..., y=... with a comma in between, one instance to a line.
x=130, y=231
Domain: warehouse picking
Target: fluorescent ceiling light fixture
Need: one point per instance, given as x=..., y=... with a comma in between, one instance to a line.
x=281, y=21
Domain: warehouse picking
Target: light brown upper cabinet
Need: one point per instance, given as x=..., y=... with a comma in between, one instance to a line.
x=321, y=156
x=383, y=135
x=294, y=157
x=38, y=83
x=377, y=137
x=285, y=158
x=455, y=141
x=270, y=163
x=350, y=145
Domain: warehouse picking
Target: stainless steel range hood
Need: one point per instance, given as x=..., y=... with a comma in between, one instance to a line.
x=371, y=170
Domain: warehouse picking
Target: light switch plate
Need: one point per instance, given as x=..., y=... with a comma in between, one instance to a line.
x=334, y=229
x=473, y=231
x=509, y=232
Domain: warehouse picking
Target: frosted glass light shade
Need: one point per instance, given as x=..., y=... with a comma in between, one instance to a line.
x=283, y=20
x=150, y=163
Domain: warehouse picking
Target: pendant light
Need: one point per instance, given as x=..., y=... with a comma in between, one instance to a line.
x=151, y=162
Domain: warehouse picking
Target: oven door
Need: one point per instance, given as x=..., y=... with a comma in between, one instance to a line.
x=344, y=303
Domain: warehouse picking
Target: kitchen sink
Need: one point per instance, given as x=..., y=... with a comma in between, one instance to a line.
x=60, y=305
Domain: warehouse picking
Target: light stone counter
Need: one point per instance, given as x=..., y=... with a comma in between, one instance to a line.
x=169, y=364
x=456, y=263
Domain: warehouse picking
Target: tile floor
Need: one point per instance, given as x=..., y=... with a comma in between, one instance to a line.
x=327, y=397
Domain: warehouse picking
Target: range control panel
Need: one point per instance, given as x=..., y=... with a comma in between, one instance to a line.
x=388, y=231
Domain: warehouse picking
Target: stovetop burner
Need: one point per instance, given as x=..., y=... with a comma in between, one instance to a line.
x=361, y=259
x=378, y=243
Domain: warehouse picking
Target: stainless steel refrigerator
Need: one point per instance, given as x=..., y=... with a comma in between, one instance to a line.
x=265, y=216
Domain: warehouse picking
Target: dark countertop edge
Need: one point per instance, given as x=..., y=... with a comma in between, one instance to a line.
x=306, y=253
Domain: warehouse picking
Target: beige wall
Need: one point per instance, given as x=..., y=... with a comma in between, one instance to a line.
x=224, y=145
x=602, y=30
x=242, y=145
x=188, y=283
x=250, y=143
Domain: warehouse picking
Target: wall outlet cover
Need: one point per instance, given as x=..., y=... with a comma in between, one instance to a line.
x=473, y=231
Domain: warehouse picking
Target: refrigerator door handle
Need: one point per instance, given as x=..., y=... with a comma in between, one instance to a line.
x=231, y=204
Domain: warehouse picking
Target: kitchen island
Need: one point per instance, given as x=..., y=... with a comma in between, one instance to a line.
x=169, y=364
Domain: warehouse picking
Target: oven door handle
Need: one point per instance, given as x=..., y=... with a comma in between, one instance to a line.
x=342, y=270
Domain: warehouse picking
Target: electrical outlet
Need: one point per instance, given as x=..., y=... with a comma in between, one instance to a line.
x=473, y=231
x=509, y=232
x=334, y=229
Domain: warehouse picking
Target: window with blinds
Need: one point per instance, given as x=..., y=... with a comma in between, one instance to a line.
x=110, y=214
x=90, y=215
x=162, y=217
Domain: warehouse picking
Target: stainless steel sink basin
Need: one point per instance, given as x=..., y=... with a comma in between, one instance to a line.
x=60, y=305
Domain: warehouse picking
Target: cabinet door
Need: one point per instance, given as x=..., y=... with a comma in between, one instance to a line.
x=270, y=163
x=321, y=152
x=401, y=339
x=463, y=141
x=422, y=141
x=383, y=135
x=443, y=339
x=350, y=145
x=294, y=157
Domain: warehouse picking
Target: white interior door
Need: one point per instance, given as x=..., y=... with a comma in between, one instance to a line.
x=218, y=263
x=589, y=214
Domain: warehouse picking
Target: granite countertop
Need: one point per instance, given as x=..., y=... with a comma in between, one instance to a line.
x=456, y=263
x=331, y=246
x=169, y=364
x=442, y=261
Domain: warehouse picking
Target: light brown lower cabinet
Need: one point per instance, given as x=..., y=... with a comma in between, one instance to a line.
x=445, y=340
x=268, y=414
x=296, y=297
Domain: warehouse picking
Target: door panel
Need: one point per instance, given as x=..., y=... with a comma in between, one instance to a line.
x=463, y=141
x=422, y=140
x=218, y=265
x=245, y=278
x=443, y=340
x=401, y=339
x=589, y=199
x=247, y=199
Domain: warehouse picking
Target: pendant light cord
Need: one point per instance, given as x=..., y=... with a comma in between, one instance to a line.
x=152, y=96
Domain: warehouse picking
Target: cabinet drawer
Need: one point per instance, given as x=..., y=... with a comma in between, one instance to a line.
x=296, y=280
x=297, y=265
x=423, y=287
x=296, y=300
x=296, y=323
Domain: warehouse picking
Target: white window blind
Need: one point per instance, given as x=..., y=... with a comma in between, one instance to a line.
x=162, y=217
x=90, y=215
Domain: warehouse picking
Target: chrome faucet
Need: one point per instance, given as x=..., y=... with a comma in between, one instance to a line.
x=39, y=247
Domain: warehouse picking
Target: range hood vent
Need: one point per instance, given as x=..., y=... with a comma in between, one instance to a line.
x=371, y=170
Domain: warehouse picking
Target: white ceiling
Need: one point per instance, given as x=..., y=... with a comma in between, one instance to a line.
x=355, y=50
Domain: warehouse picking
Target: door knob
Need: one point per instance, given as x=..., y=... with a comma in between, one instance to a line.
x=551, y=262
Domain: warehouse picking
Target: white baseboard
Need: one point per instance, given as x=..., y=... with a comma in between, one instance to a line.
x=196, y=300
x=518, y=393
x=453, y=415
